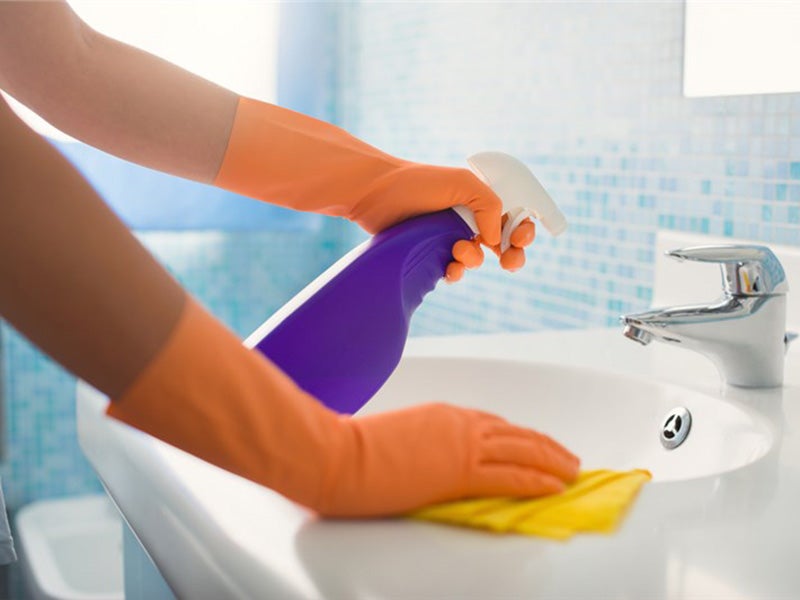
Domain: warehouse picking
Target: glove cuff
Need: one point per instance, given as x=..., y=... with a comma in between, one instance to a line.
x=293, y=160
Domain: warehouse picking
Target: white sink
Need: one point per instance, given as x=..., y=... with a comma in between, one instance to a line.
x=215, y=535
x=714, y=523
x=609, y=420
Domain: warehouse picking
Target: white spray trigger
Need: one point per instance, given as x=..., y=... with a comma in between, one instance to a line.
x=520, y=191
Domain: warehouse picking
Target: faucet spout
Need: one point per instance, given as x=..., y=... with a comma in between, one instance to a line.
x=742, y=333
x=637, y=334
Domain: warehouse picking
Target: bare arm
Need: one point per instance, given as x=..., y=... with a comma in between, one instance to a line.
x=73, y=279
x=111, y=95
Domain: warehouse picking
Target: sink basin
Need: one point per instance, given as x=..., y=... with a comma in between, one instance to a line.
x=215, y=535
x=610, y=421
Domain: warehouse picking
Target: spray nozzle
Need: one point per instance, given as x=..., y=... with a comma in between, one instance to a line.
x=520, y=191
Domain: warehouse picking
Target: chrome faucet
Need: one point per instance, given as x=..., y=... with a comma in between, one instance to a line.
x=744, y=332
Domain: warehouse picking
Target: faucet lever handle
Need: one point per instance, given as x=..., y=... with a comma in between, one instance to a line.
x=747, y=270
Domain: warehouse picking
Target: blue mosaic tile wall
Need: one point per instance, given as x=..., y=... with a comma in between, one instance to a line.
x=588, y=94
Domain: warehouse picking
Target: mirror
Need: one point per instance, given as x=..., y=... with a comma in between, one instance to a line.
x=741, y=47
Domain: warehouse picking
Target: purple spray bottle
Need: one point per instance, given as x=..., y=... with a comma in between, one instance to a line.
x=343, y=335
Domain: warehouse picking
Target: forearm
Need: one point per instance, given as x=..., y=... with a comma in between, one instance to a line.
x=73, y=279
x=111, y=95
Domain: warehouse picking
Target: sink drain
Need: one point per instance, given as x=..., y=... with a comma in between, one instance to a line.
x=676, y=427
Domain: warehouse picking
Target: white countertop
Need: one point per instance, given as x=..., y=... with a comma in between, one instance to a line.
x=735, y=535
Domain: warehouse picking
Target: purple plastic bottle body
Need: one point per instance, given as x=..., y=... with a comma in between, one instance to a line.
x=343, y=343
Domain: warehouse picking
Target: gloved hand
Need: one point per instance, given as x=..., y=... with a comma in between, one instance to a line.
x=207, y=394
x=468, y=254
x=299, y=162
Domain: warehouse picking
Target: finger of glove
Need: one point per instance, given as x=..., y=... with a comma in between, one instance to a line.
x=514, y=481
x=524, y=234
x=487, y=208
x=454, y=272
x=487, y=420
x=530, y=453
x=512, y=259
x=507, y=431
x=468, y=253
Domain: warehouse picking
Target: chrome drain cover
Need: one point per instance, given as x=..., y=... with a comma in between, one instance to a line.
x=676, y=427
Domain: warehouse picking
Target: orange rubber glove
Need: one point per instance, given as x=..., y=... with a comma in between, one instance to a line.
x=299, y=162
x=468, y=254
x=205, y=393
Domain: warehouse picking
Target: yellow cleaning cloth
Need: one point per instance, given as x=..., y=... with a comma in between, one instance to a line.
x=596, y=502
